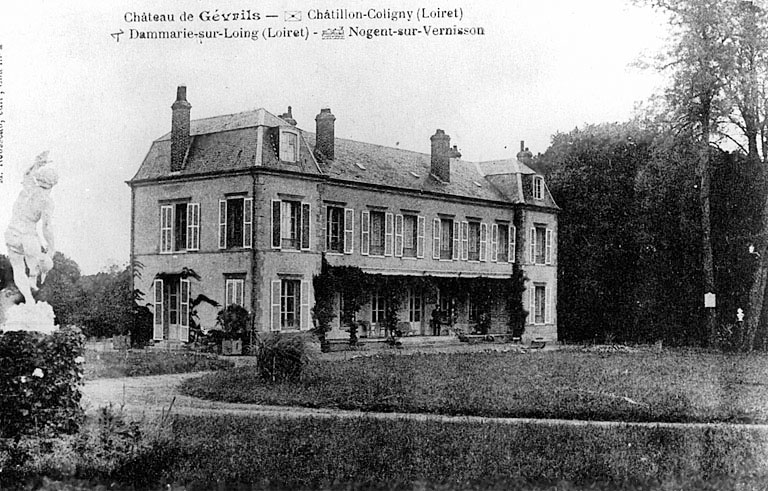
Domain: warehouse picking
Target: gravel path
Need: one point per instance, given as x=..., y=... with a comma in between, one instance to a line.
x=154, y=394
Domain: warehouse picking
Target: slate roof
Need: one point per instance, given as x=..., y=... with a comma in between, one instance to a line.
x=396, y=167
x=228, y=142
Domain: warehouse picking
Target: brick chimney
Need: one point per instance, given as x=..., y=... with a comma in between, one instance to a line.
x=179, y=129
x=324, y=137
x=442, y=153
x=524, y=155
x=288, y=117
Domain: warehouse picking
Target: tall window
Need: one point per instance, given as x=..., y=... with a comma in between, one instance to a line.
x=378, y=308
x=335, y=229
x=378, y=233
x=288, y=146
x=410, y=235
x=446, y=238
x=180, y=227
x=503, y=241
x=474, y=241
x=234, y=291
x=415, y=305
x=474, y=309
x=541, y=243
x=171, y=305
x=538, y=187
x=540, y=304
x=339, y=229
x=235, y=222
x=289, y=304
x=290, y=224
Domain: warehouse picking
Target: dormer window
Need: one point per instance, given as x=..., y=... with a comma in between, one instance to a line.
x=538, y=187
x=289, y=147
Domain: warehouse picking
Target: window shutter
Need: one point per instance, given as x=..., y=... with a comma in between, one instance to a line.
x=222, y=224
x=456, y=240
x=548, y=248
x=421, y=225
x=157, y=332
x=483, y=241
x=494, y=242
x=276, y=205
x=166, y=227
x=532, y=248
x=365, y=233
x=349, y=230
x=326, y=229
x=304, y=313
x=464, y=241
x=436, y=238
x=248, y=223
x=532, y=309
x=399, y=235
x=193, y=226
x=547, y=305
x=275, y=310
x=306, y=226
x=388, y=233
x=184, y=310
x=512, y=249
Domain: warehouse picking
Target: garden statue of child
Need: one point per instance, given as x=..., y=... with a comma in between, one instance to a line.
x=33, y=205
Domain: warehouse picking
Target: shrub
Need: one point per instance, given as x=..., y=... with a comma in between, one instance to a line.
x=40, y=379
x=281, y=357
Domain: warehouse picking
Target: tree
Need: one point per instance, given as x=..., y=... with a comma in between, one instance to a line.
x=701, y=62
x=63, y=291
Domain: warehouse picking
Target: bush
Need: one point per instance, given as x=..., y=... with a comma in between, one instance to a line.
x=281, y=357
x=40, y=379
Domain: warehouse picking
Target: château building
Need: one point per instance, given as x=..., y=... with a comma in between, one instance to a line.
x=244, y=208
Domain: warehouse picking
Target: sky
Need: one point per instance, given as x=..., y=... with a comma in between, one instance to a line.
x=97, y=101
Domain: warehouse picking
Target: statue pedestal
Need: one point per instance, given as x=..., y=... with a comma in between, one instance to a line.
x=29, y=317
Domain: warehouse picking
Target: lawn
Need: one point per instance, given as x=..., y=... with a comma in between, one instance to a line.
x=134, y=363
x=250, y=453
x=673, y=386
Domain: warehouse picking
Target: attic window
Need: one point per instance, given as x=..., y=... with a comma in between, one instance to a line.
x=477, y=184
x=360, y=166
x=414, y=174
x=288, y=146
x=538, y=187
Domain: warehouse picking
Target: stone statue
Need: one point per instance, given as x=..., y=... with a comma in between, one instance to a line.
x=33, y=205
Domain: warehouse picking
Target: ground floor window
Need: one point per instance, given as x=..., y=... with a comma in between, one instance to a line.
x=171, y=305
x=378, y=308
x=234, y=291
x=290, y=304
x=540, y=303
x=415, y=305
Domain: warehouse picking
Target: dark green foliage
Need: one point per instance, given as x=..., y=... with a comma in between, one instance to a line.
x=629, y=241
x=280, y=357
x=40, y=383
x=234, y=321
x=353, y=288
x=63, y=291
x=645, y=386
x=135, y=363
x=514, y=293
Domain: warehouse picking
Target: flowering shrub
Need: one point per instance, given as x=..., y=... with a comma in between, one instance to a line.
x=40, y=379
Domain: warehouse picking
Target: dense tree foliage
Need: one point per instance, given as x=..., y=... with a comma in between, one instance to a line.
x=630, y=249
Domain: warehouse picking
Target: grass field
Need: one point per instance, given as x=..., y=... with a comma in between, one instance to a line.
x=233, y=452
x=369, y=453
x=673, y=386
x=112, y=364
